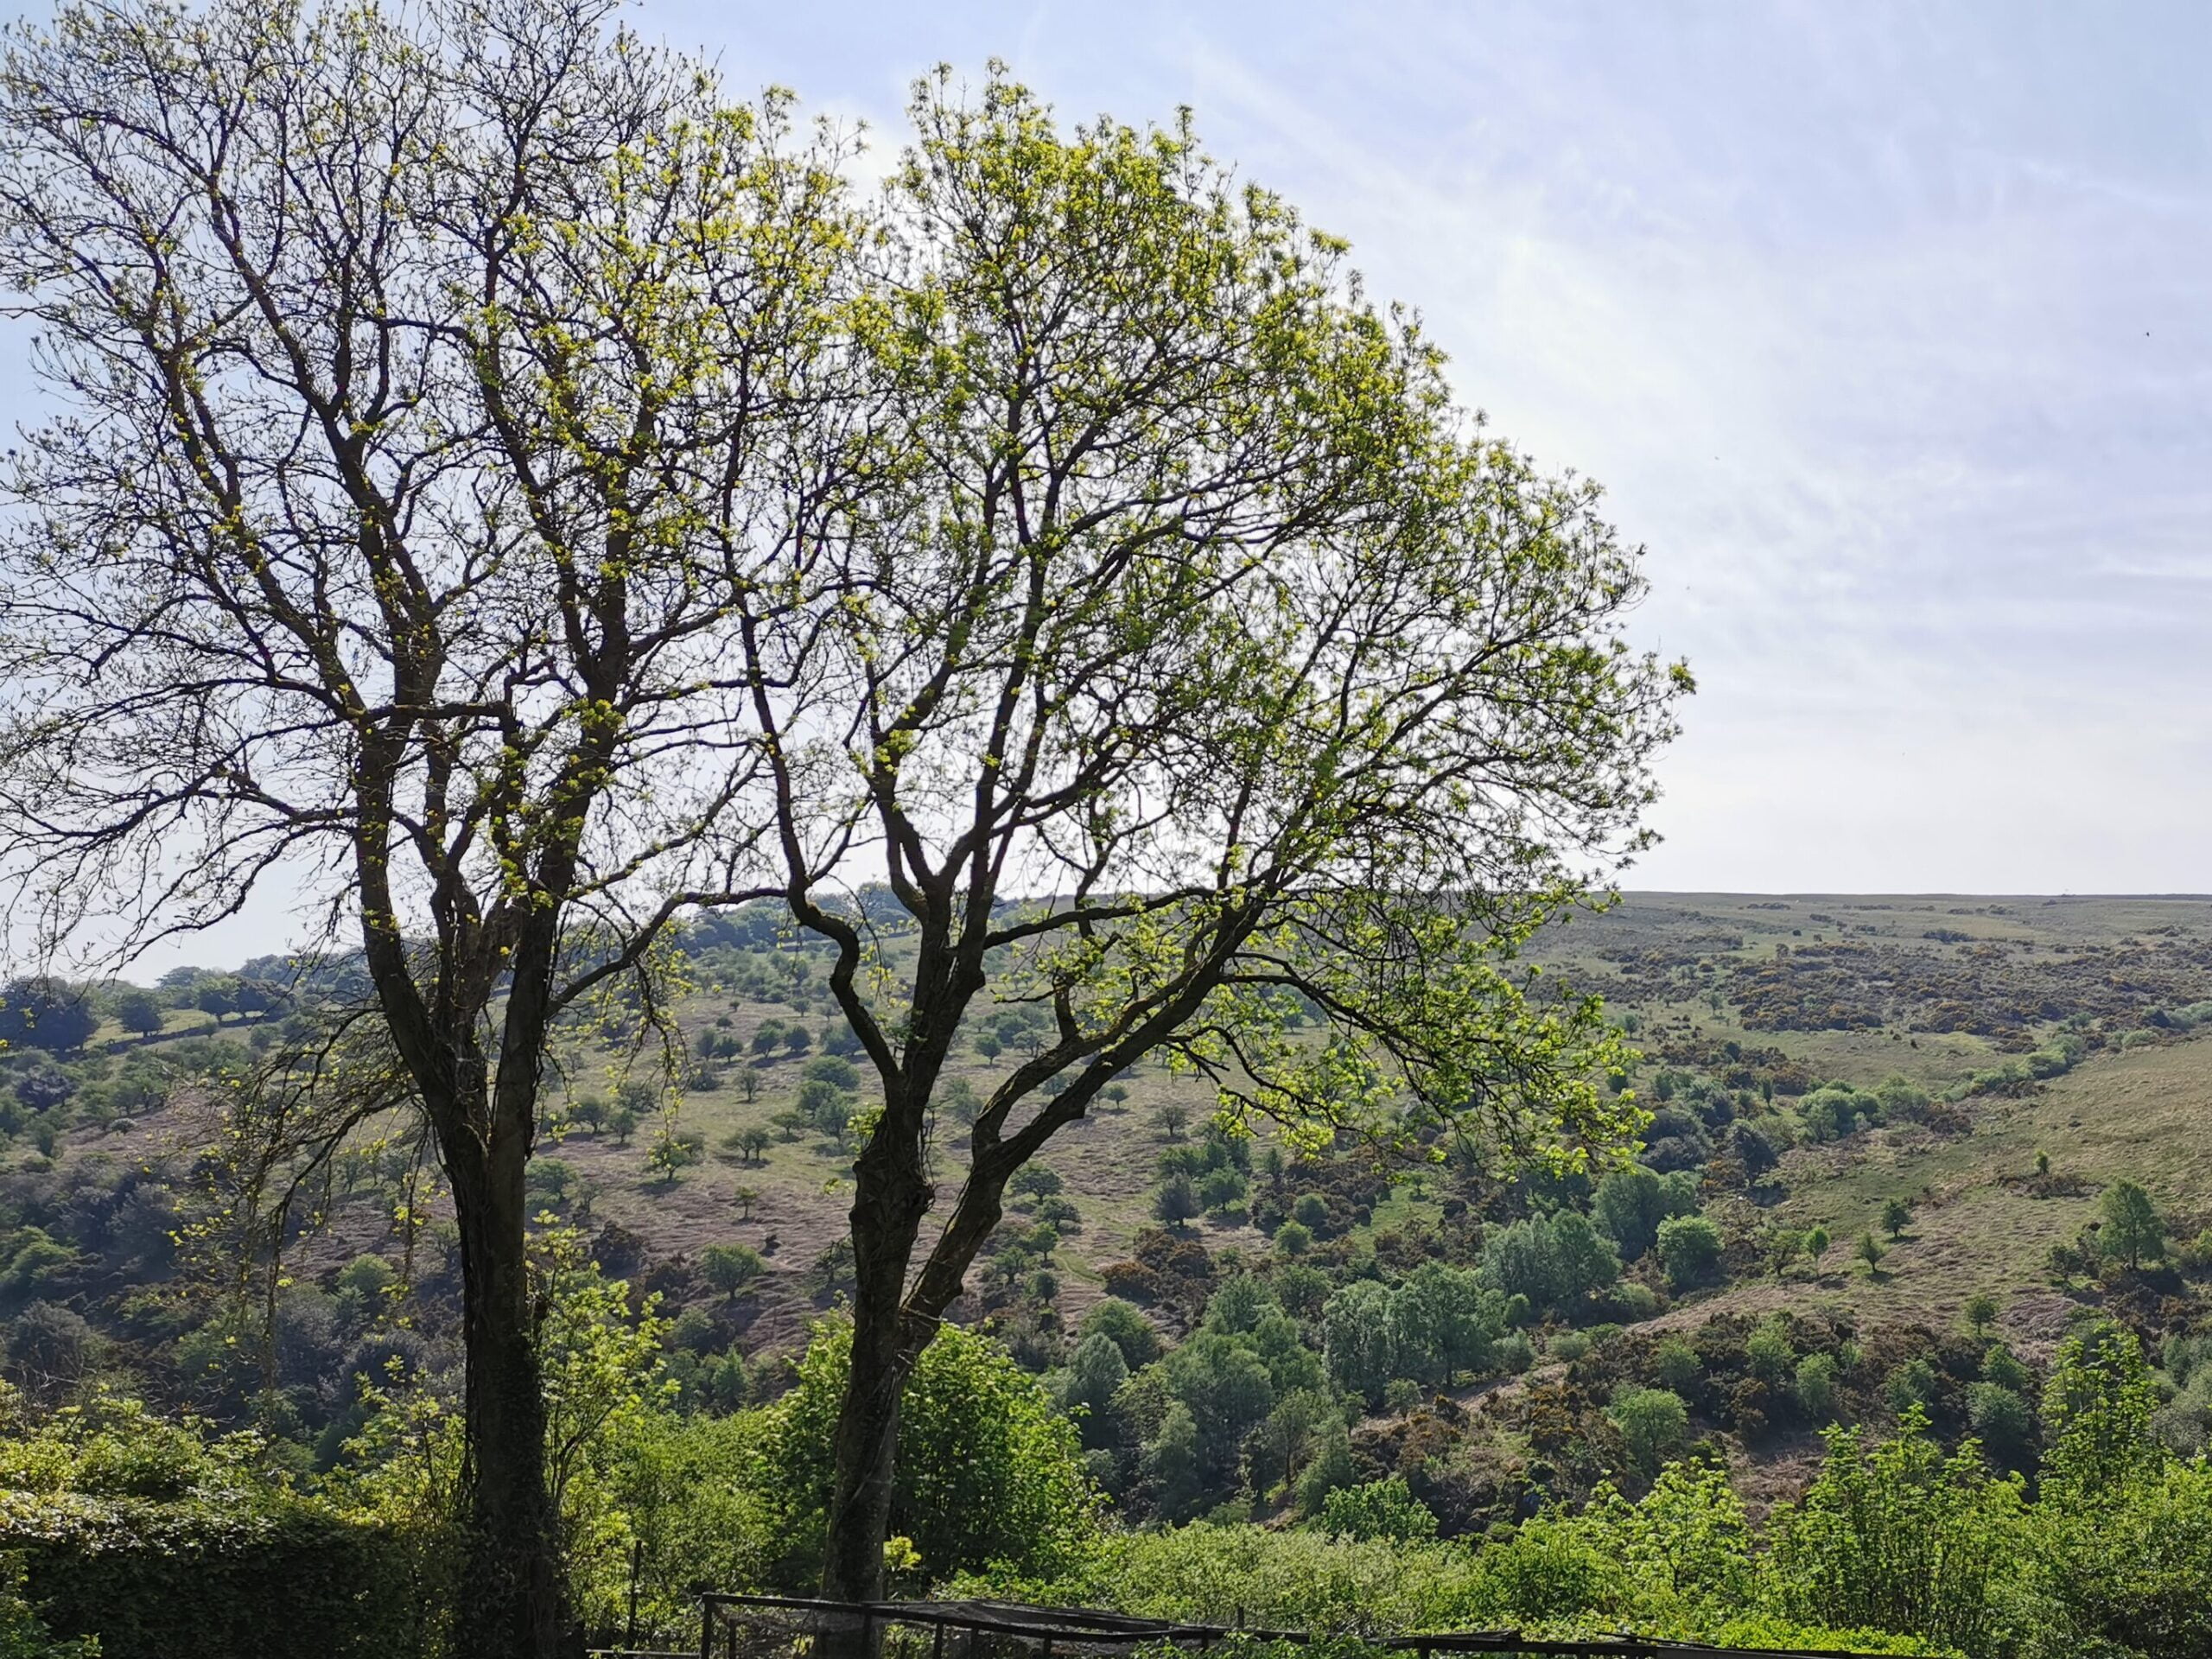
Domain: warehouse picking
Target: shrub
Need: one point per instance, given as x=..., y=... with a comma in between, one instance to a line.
x=1768, y=1350
x=1815, y=1386
x=1629, y=1204
x=1176, y=1201
x=1911, y=1385
x=1675, y=1364
x=1557, y=1262
x=2132, y=1228
x=211, y=1574
x=1632, y=1301
x=1383, y=1509
x=1902, y=1539
x=1128, y=1330
x=988, y=1471
x=1653, y=1423
x=2002, y=1420
x=1689, y=1250
x=1030, y=1180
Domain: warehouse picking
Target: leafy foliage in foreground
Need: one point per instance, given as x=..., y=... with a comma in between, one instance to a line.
x=125, y=1521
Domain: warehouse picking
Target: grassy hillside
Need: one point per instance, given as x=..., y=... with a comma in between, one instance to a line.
x=1958, y=1039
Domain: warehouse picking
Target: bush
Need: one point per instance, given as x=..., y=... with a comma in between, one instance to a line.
x=2002, y=1419
x=1769, y=1352
x=1383, y=1508
x=2133, y=1228
x=1689, y=1250
x=988, y=1471
x=1653, y=1423
x=1632, y=1301
x=1557, y=1262
x=1629, y=1204
x=1129, y=1330
x=1675, y=1364
x=211, y=1576
x=1299, y=1580
x=1814, y=1385
x=1903, y=1539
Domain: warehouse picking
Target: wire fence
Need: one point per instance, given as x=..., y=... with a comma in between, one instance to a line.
x=733, y=1626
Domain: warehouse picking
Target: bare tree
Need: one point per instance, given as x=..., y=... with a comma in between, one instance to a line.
x=427, y=381
x=1195, y=665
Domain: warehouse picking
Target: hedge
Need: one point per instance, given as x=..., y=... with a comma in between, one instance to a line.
x=200, y=1579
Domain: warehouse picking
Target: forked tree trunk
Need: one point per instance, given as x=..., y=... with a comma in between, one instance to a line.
x=512, y=1599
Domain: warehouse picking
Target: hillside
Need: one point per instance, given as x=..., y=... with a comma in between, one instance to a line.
x=1810, y=1061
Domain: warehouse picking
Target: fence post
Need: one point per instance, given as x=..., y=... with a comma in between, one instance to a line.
x=706, y=1627
x=937, y=1650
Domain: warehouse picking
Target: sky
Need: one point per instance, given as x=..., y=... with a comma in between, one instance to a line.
x=1884, y=326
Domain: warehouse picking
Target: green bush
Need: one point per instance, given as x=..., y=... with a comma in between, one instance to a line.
x=1653, y=1423
x=988, y=1471
x=1383, y=1509
x=1815, y=1386
x=1900, y=1538
x=1675, y=1364
x=1689, y=1250
x=211, y=1576
x=23, y=1634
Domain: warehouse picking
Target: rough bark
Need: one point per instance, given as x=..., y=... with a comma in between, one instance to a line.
x=514, y=1599
x=891, y=1196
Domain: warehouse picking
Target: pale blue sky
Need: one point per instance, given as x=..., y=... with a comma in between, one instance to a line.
x=1884, y=325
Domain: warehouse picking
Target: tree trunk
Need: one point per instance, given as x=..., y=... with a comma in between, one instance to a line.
x=513, y=1601
x=890, y=1197
x=866, y=1446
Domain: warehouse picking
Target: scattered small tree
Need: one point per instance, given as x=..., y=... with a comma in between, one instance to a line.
x=745, y=1198
x=2132, y=1228
x=730, y=1268
x=672, y=1154
x=1653, y=1424
x=1871, y=1251
x=1980, y=1311
x=138, y=1012
x=1897, y=1216
x=1177, y=1201
x=1171, y=1116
